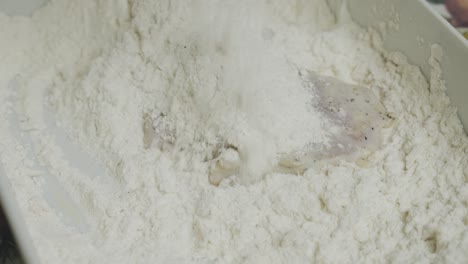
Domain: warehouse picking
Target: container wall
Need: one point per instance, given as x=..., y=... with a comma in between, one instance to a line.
x=412, y=28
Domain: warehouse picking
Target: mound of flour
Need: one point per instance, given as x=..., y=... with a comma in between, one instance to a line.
x=157, y=91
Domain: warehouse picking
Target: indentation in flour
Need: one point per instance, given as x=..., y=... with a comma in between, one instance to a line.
x=431, y=242
x=148, y=131
x=27, y=129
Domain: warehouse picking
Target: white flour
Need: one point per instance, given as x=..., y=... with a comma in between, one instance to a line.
x=191, y=105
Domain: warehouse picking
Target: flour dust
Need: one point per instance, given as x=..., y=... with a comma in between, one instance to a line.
x=226, y=132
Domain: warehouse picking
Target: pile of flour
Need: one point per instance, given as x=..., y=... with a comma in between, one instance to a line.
x=166, y=96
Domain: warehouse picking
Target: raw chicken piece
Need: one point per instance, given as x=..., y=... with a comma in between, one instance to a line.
x=355, y=110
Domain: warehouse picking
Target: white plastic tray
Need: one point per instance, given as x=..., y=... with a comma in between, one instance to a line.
x=414, y=19
x=417, y=20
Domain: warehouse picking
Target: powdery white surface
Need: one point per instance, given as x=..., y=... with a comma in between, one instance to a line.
x=155, y=90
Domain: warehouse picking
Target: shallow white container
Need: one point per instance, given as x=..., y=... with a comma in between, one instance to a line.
x=416, y=29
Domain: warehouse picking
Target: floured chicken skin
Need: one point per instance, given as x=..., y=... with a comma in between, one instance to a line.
x=358, y=119
x=355, y=110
